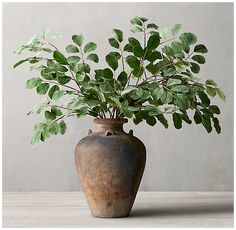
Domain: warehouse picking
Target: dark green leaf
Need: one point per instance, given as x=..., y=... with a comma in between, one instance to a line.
x=133, y=42
x=210, y=82
x=20, y=62
x=153, y=42
x=114, y=43
x=153, y=56
x=72, y=49
x=63, y=127
x=52, y=91
x=152, y=68
x=204, y=98
x=138, y=71
x=214, y=109
x=60, y=58
x=42, y=88
x=122, y=77
x=136, y=21
x=56, y=111
x=195, y=68
x=177, y=120
x=107, y=73
x=91, y=46
x=200, y=49
x=199, y=58
x=127, y=112
x=118, y=34
x=197, y=117
x=132, y=61
x=93, y=57
x=151, y=120
x=138, y=51
x=49, y=115
x=128, y=48
x=78, y=39
x=206, y=122
x=163, y=120
x=73, y=59
x=182, y=101
x=63, y=79
x=152, y=25
x=112, y=61
x=216, y=125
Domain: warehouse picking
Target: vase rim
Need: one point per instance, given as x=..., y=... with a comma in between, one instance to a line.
x=110, y=121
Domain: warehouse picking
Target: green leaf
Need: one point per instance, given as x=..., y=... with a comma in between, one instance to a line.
x=220, y=94
x=80, y=76
x=163, y=120
x=36, y=138
x=204, y=98
x=20, y=62
x=63, y=127
x=114, y=43
x=118, y=34
x=153, y=42
x=206, y=122
x=72, y=49
x=107, y=73
x=122, y=77
x=138, y=71
x=45, y=134
x=152, y=26
x=214, y=109
x=164, y=33
x=42, y=88
x=188, y=38
x=128, y=89
x=210, y=82
x=132, y=61
x=83, y=67
x=169, y=72
x=168, y=51
x=180, y=89
x=216, y=125
x=60, y=58
x=78, y=39
x=152, y=68
x=63, y=79
x=175, y=29
x=138, y=51
x=182, y=101
x=153, y=56
x=91, y=46
x=58, y=94
x=173, y=81
x=93, y=57
x=56, y=111
x=211, y=91
x=133, y=42
x=158, y=93
x=199, y=58
x=52, y=91
x=49, y=115
x=127, y=112
x=136, y=21
x=177, y=120
x=73, y=59
x=136, y=29
x=177, y=47
x=128, y=48
x=105, y=87
x=81, y=112
x=151, y=120
x=195, y=68
x=54, y=128
x=200, y=49
x=197, y=117
x=112, y=61
x=167, y=97
x=33, y=82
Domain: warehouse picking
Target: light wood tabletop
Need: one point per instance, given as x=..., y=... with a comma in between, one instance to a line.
x=151, y=209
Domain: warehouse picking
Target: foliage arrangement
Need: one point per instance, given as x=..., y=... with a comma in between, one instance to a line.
x=143, y=80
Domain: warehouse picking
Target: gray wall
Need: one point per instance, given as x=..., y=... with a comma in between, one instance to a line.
x=186, y=159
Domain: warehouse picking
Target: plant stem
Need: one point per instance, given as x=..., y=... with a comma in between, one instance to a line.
x=167, y=40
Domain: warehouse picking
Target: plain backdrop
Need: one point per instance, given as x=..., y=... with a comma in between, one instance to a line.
x=186, y=159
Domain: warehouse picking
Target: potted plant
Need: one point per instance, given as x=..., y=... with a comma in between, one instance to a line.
x=144, y=80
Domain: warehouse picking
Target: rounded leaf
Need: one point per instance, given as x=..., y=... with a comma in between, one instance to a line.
x=200, y=49
x=114, y=43
x=132, y=61
x=59, y=57
x=42, y=88
x=91, y=46
x=78, y=39
x=72, y=49
x=199, y=58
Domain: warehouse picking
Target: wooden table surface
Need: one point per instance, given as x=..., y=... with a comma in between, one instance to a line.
x=151, y=209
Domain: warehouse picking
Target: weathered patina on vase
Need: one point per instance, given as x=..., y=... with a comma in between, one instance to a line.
x=110, y=163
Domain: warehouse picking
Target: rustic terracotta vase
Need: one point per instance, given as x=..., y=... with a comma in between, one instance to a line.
x=110, y=163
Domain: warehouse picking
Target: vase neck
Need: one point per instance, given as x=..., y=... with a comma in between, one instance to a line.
x=110, y=124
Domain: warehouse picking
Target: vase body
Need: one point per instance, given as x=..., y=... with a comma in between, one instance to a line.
x=110, y=164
